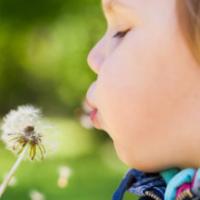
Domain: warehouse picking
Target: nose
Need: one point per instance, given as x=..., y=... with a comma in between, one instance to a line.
x=96, y=57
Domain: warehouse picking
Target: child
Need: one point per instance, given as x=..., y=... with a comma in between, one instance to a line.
x=147, y=93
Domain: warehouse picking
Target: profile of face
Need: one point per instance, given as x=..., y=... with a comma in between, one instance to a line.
x=146, y=83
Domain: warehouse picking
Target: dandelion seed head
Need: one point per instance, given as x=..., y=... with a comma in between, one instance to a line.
x=17, y=120
x=23, y=127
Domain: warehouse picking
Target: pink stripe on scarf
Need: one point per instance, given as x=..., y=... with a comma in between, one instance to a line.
x=185, y=186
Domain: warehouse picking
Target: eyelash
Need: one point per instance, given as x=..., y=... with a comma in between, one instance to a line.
x=121, y=34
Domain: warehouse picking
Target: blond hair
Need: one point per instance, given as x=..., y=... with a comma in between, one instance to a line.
x=189, y=18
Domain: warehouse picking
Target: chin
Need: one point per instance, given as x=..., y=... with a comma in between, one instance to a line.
x=142, y=166
x=123, y=156
x=136, y=161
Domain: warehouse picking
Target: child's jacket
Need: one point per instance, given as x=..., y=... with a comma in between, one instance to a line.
x=171, y=184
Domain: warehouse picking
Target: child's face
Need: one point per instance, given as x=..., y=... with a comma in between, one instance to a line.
x=145, y=78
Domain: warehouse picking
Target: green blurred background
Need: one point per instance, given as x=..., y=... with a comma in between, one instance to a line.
x=43, y=51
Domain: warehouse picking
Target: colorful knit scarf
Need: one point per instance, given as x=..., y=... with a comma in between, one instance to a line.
x=170, y=184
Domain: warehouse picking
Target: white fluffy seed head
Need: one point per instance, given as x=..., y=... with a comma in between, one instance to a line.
x=16, y=122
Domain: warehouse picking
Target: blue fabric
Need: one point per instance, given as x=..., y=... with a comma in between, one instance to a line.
x=196, y=186
x=137, y=182
x=184, y=176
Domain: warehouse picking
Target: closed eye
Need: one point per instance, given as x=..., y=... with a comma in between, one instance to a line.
x=121, y=34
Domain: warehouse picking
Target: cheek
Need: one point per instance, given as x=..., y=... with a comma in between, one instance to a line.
x=136, y=115
x=133, y=92
x=130, y=108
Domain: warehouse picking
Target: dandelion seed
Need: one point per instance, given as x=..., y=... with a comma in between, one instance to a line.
x=84, y=118
x=36, y=195
x=64, y=174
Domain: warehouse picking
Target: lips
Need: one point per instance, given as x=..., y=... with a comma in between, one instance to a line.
x=93, y=114
x=92, y=110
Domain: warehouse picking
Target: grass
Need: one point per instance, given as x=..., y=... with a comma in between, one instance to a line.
x=96, y=170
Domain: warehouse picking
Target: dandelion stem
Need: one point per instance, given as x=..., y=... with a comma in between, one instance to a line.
x=12, y=171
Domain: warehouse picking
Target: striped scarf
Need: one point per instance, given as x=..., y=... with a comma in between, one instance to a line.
x=169, y=184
